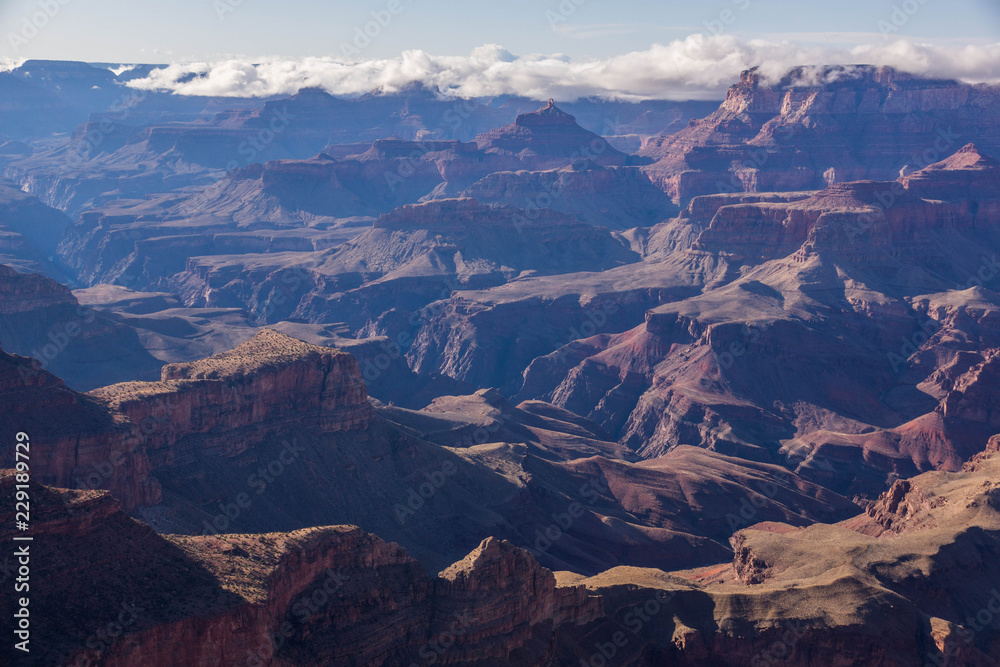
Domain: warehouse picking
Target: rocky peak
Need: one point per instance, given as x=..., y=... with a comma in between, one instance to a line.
x=967, y=157
x=967, y=174
x=550, y=114
x=507, y=595
x=793, y=132
x=339, y=595
x=549, y=133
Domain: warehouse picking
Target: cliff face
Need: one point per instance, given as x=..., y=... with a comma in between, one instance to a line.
x=867, y=589
x=333, y=595
x=118, y=437
x=857, y=338
x=278, y=435
x=615, y=197
x=85, y=447
x=549, y=136
x=27, y=292
x=29, y=231
x=42, y=319
x=418, y=254
x=241, y=396
x=817, y=126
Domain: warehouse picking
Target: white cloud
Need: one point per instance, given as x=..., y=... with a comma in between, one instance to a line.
x=121, y=69
x=8, y=64
x=698, y=67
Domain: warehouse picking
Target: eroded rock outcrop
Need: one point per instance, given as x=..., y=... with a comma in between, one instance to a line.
x=547, y=136
x=318, y=596
x=116, y=437
x=239, y=396
x=922, y=592
x=840, y=345
x=818, y=126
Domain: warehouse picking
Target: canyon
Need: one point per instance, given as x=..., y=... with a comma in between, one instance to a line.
x=422, y=380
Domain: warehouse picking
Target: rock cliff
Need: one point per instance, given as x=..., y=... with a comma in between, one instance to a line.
x=818, y=126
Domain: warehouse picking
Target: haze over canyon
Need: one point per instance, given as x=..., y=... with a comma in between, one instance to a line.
x=378, y=368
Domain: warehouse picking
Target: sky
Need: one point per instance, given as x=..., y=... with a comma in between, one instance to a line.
x=568, y=46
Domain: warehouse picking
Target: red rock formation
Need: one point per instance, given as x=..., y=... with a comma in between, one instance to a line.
x=816, y=126
x=257, y=388
x=923, y=592
x=27, y=292
x=332, y=595
x=549, y=136
x=115, y=437
x=79, y=443
x=615, y=197
x=339, y=595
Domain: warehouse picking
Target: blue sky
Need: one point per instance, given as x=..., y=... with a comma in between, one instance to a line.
x=626, y=49
x=179, y=30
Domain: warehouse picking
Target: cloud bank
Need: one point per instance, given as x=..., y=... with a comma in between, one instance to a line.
x=698, y=67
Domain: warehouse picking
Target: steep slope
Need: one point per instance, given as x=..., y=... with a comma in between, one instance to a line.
x=549, y=136
x=279, y=435
x=907, y=583
x=29, y=232
x=855, y=311
x=317, y=596
x=922, y=593
x=41, y=318
x=818, y=126
x=410, y=257
x=615, y=197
